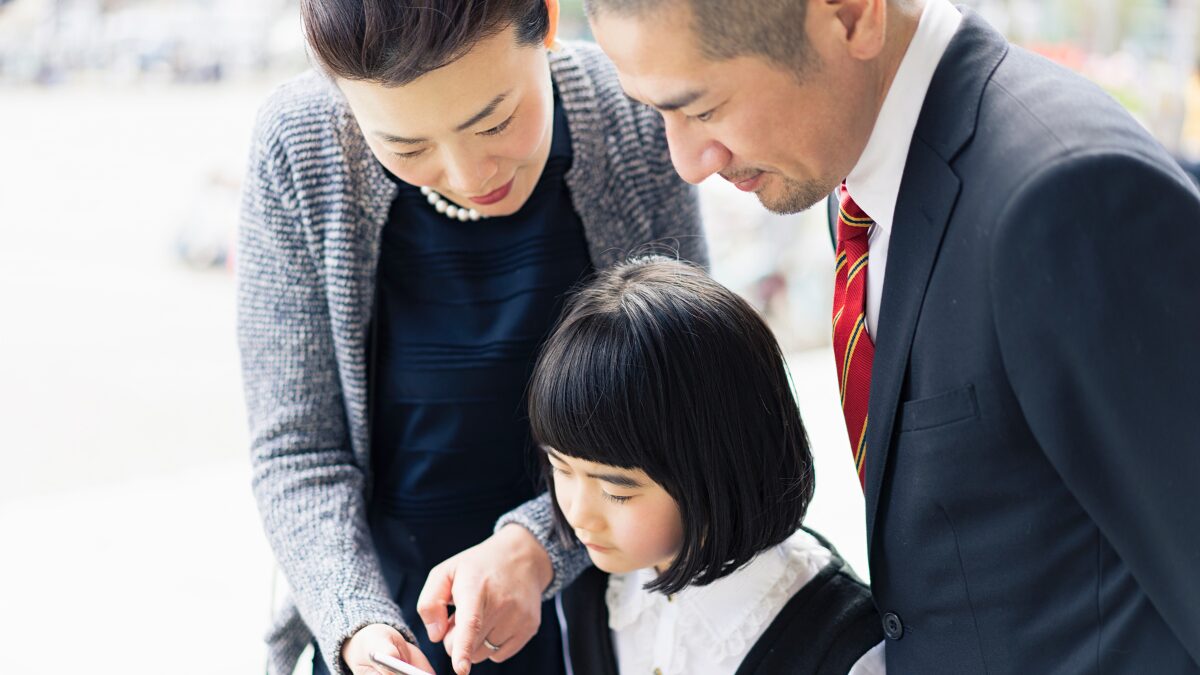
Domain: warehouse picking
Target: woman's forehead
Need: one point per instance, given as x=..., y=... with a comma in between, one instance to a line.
x=495, y=71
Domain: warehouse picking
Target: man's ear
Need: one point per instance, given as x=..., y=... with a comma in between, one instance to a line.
x=552, y=30
x=861, y=25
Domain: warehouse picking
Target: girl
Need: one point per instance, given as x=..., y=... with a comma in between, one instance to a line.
x=677, y=457
x=415, y=209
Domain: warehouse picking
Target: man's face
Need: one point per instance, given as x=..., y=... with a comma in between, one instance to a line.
x=789, y=140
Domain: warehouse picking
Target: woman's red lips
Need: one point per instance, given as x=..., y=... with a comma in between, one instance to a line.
x=495, y=195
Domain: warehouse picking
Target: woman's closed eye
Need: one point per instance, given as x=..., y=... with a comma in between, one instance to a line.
x=409, y=155
x=616, y=498
x=499, y=128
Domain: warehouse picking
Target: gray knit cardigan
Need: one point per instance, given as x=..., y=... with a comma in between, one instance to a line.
x=313, y=210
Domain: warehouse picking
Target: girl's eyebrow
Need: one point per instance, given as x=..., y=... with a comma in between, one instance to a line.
x=618, y=479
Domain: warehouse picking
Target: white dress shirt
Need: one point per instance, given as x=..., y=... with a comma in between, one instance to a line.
x=709, y=630
x=874, y=183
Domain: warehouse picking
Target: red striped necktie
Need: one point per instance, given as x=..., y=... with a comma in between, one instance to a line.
x=852, y=345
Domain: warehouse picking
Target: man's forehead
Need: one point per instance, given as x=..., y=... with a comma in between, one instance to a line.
x=656, y=59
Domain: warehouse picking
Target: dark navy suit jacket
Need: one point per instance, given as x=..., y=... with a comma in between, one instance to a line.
x=1033, y=452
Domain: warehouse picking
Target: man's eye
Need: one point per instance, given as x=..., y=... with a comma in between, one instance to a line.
x=706, y=115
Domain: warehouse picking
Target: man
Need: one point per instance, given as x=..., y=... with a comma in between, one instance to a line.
x=1019, y=362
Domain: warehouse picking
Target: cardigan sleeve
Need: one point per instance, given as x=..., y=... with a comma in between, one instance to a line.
x=309, y=489
x=673, y=204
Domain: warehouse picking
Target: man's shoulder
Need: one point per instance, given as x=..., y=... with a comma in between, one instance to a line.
x=1040, y=110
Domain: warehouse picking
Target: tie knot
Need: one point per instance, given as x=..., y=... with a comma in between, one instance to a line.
x=853, y=222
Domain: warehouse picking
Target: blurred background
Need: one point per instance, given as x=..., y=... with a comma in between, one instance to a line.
x=130, y=539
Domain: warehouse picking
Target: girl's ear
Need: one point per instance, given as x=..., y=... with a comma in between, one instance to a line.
x=552, y=30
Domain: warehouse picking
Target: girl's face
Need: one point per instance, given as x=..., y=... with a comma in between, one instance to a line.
x=627, y=521
x=477, y=131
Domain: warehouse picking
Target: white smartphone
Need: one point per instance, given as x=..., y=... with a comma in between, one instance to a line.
x=396, y=665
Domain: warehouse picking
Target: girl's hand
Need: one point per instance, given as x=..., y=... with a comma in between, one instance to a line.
x=380, y=638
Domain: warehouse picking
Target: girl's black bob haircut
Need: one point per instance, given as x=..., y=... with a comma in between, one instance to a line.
x=655, y=366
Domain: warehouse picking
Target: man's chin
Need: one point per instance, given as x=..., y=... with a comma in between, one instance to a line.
x=787, y=196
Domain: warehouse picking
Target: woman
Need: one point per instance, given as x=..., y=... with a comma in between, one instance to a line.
x=415, y=211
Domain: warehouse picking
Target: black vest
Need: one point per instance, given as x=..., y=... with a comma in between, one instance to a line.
x=823, y=630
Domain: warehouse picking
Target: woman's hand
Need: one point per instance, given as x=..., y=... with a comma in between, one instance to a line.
x=378, y=638
x=496, y=589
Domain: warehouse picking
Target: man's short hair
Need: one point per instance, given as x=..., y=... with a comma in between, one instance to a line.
x=394, y=43
x=655, y=366
x=771, y=29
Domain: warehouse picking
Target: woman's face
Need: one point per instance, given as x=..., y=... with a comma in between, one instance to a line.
x=477, y=131
x=627, y=521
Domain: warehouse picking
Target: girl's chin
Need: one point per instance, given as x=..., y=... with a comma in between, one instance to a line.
x=605, y=563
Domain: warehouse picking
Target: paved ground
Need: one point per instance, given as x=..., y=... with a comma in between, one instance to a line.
x=130, y=540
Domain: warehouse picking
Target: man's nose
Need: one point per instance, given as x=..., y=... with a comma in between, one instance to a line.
x=696, y=155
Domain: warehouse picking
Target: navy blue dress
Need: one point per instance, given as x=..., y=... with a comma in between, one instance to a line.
x=462, y=309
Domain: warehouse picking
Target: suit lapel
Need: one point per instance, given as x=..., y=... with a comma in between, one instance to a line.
x=927, y=196
x=929, y=191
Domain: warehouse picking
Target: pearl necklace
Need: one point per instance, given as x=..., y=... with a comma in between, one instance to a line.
x=443, y=206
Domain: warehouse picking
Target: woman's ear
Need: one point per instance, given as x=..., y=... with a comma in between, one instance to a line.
x=552, y=29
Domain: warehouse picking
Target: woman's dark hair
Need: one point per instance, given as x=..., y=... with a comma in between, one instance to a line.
x=655, y=366
x=394, y=43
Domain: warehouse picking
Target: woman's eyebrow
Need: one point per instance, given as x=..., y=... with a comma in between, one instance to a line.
x=618, y=479
x=482, y=114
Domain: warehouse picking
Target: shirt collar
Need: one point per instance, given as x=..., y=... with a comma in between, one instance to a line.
x=874, y=183
x=724, y=607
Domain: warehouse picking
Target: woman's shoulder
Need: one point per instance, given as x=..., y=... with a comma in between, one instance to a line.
x=587, y=82
x=305, y=110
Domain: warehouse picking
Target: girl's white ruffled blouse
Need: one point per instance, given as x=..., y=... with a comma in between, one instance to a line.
x=708, y=630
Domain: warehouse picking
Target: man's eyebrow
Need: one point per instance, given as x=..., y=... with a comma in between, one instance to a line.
x=620, y=480
x=674, y=103
x=487, y=110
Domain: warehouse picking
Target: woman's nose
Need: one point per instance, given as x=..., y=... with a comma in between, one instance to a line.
x=468, y=175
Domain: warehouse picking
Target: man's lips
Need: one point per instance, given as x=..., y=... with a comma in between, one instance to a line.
x=495, y=195
x=747, y=183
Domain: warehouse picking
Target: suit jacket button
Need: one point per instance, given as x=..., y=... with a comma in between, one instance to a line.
x=893, y=628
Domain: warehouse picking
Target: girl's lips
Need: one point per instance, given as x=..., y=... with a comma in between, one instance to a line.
x=598, y=548
x=495, y=195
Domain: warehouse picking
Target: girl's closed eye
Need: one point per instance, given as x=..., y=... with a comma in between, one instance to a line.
x=409, y=155
x=617, y=498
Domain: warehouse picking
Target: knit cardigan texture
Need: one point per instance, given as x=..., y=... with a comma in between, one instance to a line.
x=314, y=206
